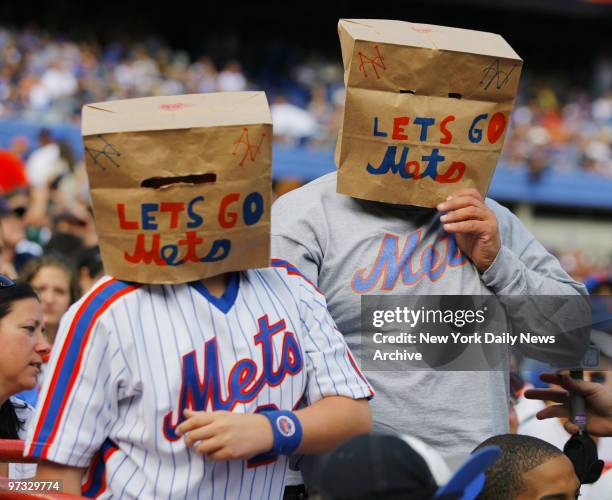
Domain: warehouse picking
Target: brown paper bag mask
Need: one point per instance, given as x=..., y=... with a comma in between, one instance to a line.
x=426, y=110
x=181, y=185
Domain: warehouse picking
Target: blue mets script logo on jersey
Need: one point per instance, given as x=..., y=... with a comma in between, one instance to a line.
x=244, y=382
x=409, y=264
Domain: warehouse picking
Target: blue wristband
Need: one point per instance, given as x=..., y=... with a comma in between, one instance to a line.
x=287, y=431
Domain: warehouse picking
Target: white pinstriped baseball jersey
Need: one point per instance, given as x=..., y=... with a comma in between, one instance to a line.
x=129, y=358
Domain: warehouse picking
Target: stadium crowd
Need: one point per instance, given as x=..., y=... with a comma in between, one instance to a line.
x=48, y=78
x=47, y=234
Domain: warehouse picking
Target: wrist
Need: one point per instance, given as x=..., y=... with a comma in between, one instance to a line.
x=286, y=431
x=265, y=434
x=490, y=257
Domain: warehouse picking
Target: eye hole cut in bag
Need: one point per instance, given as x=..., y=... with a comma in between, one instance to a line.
x=161, y=182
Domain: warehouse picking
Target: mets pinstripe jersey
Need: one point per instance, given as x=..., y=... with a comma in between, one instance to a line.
x=130, y=358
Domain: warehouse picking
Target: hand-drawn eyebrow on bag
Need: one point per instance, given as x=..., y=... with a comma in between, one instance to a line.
x=251, y=149
x=107, y=152
x=497, y=74
x=375, y=62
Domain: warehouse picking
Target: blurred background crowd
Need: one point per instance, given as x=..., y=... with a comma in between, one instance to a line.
x=555, y=171
x=47, y=77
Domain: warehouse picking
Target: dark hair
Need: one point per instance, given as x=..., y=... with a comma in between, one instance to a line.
x=31, y=269
x=65, y=245
x=90, y=259
x=44, y=134
x=21, y=290
x=9, y=423
x=520, y=454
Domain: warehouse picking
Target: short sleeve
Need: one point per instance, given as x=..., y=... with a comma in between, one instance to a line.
x=332, y=370
x=298, y=240
x=77, y=404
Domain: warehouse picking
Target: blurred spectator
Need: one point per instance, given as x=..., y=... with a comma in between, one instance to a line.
x=43, y=163
x=66, y=187
x=17, y=250
x=231, y=78
x=12, y=169
x=65, y=244
x=517, y=386
x=57, y=81
x=57, y=285
x=90, y=267
x=290, y=122
x=202, y=76
x=78, y=222
x=12, y=172
x=7, y=270
x=564, y=132
x=322, y=110
x=19, y=146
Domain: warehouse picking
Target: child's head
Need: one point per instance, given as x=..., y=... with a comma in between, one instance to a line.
x=529, y=469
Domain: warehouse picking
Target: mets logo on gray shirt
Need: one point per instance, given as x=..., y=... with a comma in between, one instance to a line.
x=410, y=264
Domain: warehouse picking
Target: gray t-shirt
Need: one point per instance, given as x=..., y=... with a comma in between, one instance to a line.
x=351, y=247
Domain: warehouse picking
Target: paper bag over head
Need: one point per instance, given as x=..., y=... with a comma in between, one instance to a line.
x=181, y=185
x=426, y=110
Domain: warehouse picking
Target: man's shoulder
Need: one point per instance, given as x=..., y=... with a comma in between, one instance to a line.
x=284, y=274
x=309, y=194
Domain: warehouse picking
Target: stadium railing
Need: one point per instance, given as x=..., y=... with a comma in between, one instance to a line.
x=11, y=451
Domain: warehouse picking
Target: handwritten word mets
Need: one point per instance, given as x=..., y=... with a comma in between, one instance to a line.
x=428, y=165
x=413, y=169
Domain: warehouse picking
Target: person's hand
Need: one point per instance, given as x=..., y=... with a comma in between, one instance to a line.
x=598, y=403
x=474, y=226
x=222, y=435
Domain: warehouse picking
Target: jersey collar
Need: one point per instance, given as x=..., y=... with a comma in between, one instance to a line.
x=227, y=300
